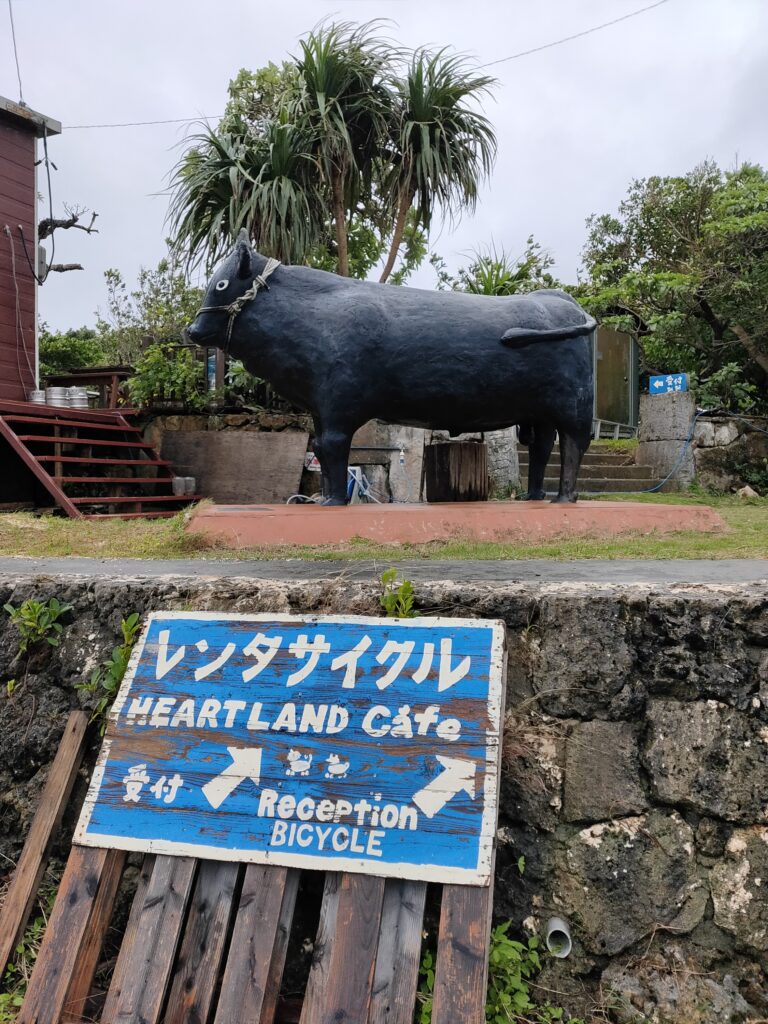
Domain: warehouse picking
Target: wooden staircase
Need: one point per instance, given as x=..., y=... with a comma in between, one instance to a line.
x=93, y=462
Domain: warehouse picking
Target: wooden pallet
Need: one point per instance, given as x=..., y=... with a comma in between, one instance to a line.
x=68, y=449
x=207, y=941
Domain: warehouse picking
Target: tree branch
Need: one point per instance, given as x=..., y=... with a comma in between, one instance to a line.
x=749, y=345
x=48, y=225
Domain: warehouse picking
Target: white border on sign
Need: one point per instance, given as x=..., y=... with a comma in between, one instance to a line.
x=479, y=876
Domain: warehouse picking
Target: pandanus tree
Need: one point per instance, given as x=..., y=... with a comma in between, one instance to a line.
x=344, y=103
x=442, y=146
x=268, y=185
x=351, y=143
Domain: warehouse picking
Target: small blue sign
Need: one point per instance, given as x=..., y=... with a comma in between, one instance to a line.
x=338, y=742
x=668, y=384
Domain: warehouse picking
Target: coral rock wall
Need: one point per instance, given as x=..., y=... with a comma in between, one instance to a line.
x=635, y=780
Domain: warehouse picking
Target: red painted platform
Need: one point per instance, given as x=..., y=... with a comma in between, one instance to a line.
x=272, y=525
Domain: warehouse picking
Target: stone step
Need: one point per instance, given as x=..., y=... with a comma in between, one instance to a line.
x=588, y=471
x=590, y=458
x=601, y=486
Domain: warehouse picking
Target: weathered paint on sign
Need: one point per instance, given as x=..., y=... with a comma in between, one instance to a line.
x=344, y=743
x=668, y=384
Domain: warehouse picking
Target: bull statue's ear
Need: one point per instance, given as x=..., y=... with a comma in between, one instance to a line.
x=244, y=254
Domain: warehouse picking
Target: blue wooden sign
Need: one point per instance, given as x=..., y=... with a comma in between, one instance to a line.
x=341, y=743
x=668, y=384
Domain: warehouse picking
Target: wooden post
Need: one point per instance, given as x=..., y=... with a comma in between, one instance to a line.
x=456, y=471
x=34, y=856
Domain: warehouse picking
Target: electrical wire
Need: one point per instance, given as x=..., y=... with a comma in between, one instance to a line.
x=687, y=443
x=15, y=52
x=576, y=35
x=30, y=261
x=19, y=318
x=50, y=203
x=137, y=124
x=501, y=60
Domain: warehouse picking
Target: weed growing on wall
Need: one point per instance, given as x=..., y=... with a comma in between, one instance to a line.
x=397, y=598
x=37, y=621
x=511, y=966
x=106, y=678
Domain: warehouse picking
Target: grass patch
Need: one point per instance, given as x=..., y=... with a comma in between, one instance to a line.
x=53, y=536
x=610, y=444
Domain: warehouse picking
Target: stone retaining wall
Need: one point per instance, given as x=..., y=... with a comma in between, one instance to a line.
x=724, y=453
x=635, y=780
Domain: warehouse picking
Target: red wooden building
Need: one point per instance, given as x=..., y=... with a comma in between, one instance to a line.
x=89, y=462
x=20, y=130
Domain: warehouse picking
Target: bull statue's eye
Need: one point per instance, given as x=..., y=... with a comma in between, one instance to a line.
x=221, y=285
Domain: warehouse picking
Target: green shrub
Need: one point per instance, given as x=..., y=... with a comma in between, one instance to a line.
x=511, y=966
x=168, y=373
x=727, y=389
x=37, y=621
x=106, y=679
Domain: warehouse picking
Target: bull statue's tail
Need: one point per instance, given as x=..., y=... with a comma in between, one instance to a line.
x=519, y=337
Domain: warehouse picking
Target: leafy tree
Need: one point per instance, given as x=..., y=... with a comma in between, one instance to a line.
x=157, y=310
x=307, y=156
x=493, y=272
x=64, y=351
x=685, y=265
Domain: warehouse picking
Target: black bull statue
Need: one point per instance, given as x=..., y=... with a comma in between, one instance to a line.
x=350, y=351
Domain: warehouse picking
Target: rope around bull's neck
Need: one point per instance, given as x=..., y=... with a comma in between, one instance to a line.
x=235, y=307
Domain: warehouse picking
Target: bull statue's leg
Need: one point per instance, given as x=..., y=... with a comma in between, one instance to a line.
x=318, y=450
x=541, y=439
x=333, y=453
x=573, y=444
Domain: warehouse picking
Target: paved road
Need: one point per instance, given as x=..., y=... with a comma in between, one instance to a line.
x=591, y=570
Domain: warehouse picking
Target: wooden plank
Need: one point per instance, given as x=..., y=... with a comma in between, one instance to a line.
x=149, y=480
x=196, y=972
x=348, y=979
x=397, y=960
x=60, y=422
x=131, y=933
x=81, y=980
x=247, y=970
x=32, y=408
x=87, y=460
x=131, y=515
x=50, y=438
x=45, y=479
x=239, y=466
x=461, y=975
x=279, y=950
x=14, y=213
x=34, y=857
x=107, y=499
x=69, y=926
x=20, y=192
x=14, y=171
x=318, y=973
x=142, y=982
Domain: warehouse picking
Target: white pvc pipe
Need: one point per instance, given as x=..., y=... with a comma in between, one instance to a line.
x=557, y=937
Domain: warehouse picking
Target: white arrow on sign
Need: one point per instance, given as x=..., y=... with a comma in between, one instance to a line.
x=246, y=764
x=457, y=775
x=658, y=383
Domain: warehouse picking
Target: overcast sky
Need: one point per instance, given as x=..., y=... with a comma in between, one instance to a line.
x=655, y=94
